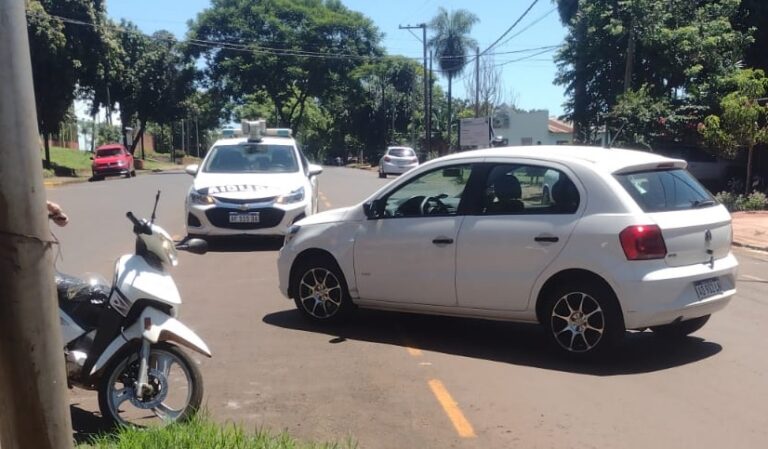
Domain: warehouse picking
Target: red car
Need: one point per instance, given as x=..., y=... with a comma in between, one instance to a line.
x=112, y=160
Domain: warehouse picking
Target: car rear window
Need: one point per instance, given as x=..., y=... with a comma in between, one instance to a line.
x=401, y=152
x=107, y=152
x=666, y=190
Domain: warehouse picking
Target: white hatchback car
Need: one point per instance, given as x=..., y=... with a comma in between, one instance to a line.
x=397, y=160
x=258, y=185
x=627, y=240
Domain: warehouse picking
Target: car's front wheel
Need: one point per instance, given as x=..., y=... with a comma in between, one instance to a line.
x=583, y=320
x=382, y=174
x=320, y=290
x=680, y=329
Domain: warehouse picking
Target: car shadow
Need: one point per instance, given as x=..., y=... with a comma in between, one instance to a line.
x=242, y=244
x=505, y=342
x=86, y=425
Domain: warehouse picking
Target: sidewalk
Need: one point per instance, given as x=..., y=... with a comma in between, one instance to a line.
x=750, y=230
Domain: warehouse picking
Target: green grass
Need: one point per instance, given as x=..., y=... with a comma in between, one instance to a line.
x=66, y=162
x=201, y=433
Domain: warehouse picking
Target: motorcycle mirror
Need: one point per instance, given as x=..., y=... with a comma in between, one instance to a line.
x=194, y=246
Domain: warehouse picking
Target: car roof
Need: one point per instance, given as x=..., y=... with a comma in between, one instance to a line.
x=110, y=146
x=265, y=139
x=398, y=147
x=611, y=160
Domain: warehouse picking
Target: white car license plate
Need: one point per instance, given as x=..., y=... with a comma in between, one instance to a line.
x=244, y=218
x=707, y=287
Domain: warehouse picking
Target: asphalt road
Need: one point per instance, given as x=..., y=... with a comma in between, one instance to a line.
x=403, y=381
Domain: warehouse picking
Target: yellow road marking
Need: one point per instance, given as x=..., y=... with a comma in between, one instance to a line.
x=413, y=351
x=451, y=408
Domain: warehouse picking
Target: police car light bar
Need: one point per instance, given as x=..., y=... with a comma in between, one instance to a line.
x=255, y=129
x=279, y=132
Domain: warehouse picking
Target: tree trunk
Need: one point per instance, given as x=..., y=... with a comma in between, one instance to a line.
x=139, y=136
x=748, y=182
x=47, y=146
x=450, y=121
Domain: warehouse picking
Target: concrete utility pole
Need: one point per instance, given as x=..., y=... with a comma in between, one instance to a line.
x=427, y=112
x=32, y=379
x=477, y=82
x=630, y=59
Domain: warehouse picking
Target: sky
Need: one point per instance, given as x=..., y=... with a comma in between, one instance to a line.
x=528, y=83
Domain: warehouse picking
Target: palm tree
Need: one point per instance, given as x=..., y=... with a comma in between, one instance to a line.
x=451, y=43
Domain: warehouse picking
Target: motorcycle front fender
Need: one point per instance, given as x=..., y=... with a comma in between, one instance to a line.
x=154, y=326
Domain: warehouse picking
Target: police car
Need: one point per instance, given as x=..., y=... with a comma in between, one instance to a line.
x=259, y=184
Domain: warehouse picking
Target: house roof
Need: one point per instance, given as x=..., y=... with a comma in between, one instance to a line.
x=559, y=127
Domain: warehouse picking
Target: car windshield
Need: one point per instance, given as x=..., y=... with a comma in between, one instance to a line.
x=401, y=152
x=252, y=158
x=666, y=190
x=107, y=152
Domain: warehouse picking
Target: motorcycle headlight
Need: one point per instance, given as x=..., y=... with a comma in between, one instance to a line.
x=293, y=197
x=199, y=198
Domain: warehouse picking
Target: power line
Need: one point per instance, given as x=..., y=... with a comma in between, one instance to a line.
x=522, y=16
x=527, y=27
x=250, y=47
x=524, y=58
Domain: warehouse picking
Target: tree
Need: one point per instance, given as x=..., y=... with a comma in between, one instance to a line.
x=742, y=123
x=681, y=62
x=62, y=57
x=292, y=50
x=753, y=16
x=451, y=43
x=490, y=88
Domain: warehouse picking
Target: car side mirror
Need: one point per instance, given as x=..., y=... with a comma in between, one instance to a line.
x=315, y=170
x=374, y=209
x=192, y=169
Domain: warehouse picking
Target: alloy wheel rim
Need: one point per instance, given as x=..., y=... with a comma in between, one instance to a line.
x=577, y=322
x=320, y=293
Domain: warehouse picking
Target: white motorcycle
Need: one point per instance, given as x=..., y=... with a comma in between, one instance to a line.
x=123, y=340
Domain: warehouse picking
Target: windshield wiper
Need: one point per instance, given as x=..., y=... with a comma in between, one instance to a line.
x=704, y=203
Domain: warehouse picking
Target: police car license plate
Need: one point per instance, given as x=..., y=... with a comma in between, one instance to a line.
x=253, y=217
x=707, y=287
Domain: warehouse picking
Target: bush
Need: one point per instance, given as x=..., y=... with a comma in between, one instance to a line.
x=737, y=203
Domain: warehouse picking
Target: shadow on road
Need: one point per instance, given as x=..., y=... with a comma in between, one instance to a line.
x=241, y=244
x=514, y=343
x=86, y=425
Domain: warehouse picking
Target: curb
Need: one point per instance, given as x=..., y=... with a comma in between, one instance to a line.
x=80, y=179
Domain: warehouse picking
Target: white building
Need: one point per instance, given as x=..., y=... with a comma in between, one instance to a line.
x=531, y=128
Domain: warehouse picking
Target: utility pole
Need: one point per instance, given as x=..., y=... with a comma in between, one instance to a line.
x=183, y=142
x=429, y=126
x=197, y=138
x=427, y=114
x=32, y=379
x=477, y=82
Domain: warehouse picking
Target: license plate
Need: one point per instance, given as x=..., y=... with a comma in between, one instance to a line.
x=707, y=287
x=244, y=218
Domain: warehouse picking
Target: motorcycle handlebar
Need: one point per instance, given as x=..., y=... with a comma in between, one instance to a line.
x=138, y=226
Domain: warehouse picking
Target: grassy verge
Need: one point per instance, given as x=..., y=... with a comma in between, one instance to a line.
x=66, y=162
x=201, y=433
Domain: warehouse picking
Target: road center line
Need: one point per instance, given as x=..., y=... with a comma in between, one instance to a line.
x=451, y=408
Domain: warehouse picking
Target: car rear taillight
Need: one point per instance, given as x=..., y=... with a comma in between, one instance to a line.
x=387, y=159
x=415, y=160
x=643, y=242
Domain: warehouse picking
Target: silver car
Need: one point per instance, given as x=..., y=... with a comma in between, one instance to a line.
x=397, y=160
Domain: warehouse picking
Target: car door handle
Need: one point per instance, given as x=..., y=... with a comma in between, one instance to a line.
x=547, y=238
x=442, y=241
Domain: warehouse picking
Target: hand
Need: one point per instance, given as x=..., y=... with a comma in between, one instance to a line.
x=56, y=214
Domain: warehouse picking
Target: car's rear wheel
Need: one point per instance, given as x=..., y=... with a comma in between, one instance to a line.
x=680, y=329
x=584, y=320
x=382, y=174
x=320, y=290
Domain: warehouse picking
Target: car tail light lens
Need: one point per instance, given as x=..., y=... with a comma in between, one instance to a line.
x=415, y=160
x=387, y=159
x=643, y=242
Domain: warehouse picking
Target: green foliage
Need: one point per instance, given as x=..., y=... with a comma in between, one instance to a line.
x=292, y=74
x=742, y=122
x=683, y=52
x=202, y=433
x=735, y=203
x=753, y=16
x=108, y=134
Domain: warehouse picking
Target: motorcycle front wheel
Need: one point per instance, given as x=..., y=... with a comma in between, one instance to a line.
x=175, y=393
